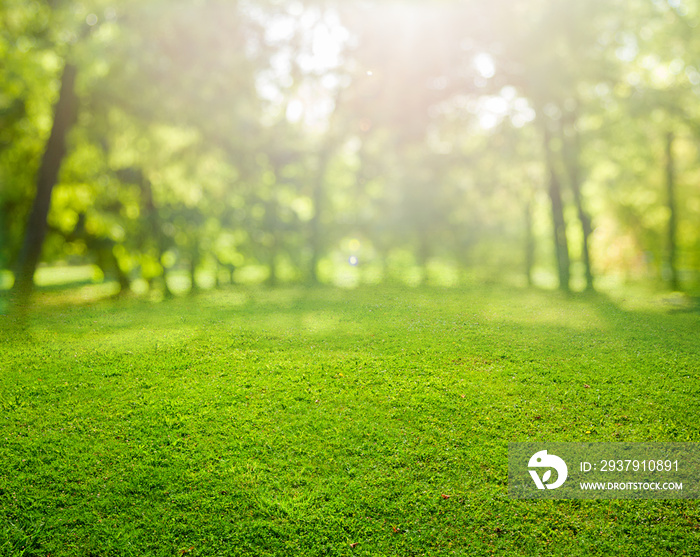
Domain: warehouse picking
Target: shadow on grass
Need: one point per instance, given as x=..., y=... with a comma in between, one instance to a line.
x=549, y=320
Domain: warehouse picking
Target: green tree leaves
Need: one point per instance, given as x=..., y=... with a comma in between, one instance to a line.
x=217, y=135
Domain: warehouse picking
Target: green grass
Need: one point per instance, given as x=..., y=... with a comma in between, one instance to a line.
x=331, y=422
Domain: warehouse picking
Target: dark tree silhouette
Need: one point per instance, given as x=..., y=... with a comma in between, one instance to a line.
x=65, y=115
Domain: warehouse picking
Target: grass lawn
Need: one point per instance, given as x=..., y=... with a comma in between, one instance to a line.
x=331, y=422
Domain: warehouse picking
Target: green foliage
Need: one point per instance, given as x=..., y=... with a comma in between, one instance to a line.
x=215, y=136
x=301, y=422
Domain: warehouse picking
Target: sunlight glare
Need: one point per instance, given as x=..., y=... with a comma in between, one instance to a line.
x=295, y=110
x=484, y=64
x=318, y=55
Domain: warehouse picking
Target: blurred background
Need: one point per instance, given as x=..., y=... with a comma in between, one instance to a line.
x=165, y=146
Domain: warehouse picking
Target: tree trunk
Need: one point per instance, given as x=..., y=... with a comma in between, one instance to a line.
x=672, y=214
x=195, y=256
x=122, y=277
x=561, y=246
x=154, y=224
x=423, y=257
x=529, y=243
x=64, y=118
x=273, y=225
x=315, y=224
x=572, y=165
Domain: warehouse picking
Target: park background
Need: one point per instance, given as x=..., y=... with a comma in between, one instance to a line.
x=285, y=277
x=164, y=146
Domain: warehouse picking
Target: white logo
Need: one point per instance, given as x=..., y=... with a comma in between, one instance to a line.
x=544, y=460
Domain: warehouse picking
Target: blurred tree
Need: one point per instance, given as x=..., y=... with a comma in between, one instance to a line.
x=399, y=79
x=30, y=28
x=672, y=213
x=557, y=76
x=190, y=86
x=655, y=114
x=66, y=112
